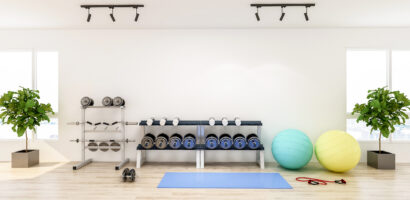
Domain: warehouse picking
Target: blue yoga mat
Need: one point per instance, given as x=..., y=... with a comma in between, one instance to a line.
x=224, y=180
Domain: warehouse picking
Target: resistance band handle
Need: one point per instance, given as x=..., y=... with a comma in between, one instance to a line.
x=341, y=181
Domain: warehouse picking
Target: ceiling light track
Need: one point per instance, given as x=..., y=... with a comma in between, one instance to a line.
x=282, y=6
x=112, y=6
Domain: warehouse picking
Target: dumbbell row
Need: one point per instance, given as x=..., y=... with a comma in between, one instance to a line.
x=238, y=141
x=175, y=122
x=106, y=101
x=162, y=141
x=224, y=141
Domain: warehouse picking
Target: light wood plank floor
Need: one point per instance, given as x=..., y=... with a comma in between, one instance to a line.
x=101, y=181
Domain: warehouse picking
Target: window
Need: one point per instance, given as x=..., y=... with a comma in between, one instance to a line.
x=15, y=71
x=37, y=70
x=370, y=69
x=47, y=84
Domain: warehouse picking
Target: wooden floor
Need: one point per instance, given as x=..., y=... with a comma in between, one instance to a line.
x=101, y=181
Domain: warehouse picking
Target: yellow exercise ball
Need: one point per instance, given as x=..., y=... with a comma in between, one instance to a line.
x=337, y=151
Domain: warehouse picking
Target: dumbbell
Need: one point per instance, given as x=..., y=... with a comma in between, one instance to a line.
x=239, y=141
x=115, y=146
x=162, y=141
x=163, y=121
x=148, y=141
x=107, y=101
x=128, y=174
x=225, y=121
x=189, y=141
x=175, y=121
x=103, y=146
x=175, y=141
x=87, y=101
x=225, y=141
x=238, y=121
x=150, y=121
x=118, y=101
x=92, y=146
x=253, y=141
x=211, y=141
x=211, y=121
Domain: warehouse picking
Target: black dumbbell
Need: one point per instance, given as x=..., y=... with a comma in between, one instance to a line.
x=107, y=101
x=128, y=174
x=148, y=141
x=211, y=141
x=239, y=141
x=87, y=101
x=162, y=141
x=189, y=141
x=175, y=141
x=118, y=101
x=253, y=141
x=225, y=141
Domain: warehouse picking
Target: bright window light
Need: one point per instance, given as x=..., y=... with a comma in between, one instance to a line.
x=47, y=84
x=401, y=82
x=15, y=71
x=366, y=70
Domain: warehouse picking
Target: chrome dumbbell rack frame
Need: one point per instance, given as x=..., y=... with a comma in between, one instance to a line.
x=200, y=147
x=83, y=140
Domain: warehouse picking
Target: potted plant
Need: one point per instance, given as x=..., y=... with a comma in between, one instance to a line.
x=22, y=110
x=383, y=110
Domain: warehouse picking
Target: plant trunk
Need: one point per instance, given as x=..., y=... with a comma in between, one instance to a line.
x=380, y=143
x=26, y=141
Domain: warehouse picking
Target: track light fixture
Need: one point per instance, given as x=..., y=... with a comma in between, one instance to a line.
x=112, y=15
x=282, y=15
x=282, y=6
x=257, y=14
x=112, y=6
x=136, y=15
x=306, y=14
x=89, y=15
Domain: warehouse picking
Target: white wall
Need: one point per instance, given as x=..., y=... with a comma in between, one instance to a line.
x=288, y=78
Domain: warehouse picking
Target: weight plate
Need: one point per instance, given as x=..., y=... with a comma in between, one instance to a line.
x=107, y=101
x=103, y=146
x=161, y=143
x=92, y=146
x=115, y=146
x=87, y=101
x=118, y=101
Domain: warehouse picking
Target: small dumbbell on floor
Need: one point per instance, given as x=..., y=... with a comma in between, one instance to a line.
x=128, y=174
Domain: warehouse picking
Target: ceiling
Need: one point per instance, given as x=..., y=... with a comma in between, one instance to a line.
x=164, y=14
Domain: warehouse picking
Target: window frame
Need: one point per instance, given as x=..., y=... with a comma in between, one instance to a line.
x=389, y=70
x=34, y=79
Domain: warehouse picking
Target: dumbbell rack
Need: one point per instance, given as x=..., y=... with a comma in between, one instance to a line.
x=83, y=141
x=200, y=146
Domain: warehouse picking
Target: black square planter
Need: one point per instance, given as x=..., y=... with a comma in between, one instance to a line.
x=382, y=160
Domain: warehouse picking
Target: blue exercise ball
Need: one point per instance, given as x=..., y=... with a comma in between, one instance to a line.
x=292, y=149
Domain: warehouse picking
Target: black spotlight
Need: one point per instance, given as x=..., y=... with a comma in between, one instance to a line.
x=306, y=14
x=283, y=14
x=112, y=15
x=136, y=14
x=257, y=14
x=89, y=15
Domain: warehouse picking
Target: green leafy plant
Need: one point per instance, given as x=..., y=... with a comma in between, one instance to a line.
x=383, y=110
x=22, y=110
